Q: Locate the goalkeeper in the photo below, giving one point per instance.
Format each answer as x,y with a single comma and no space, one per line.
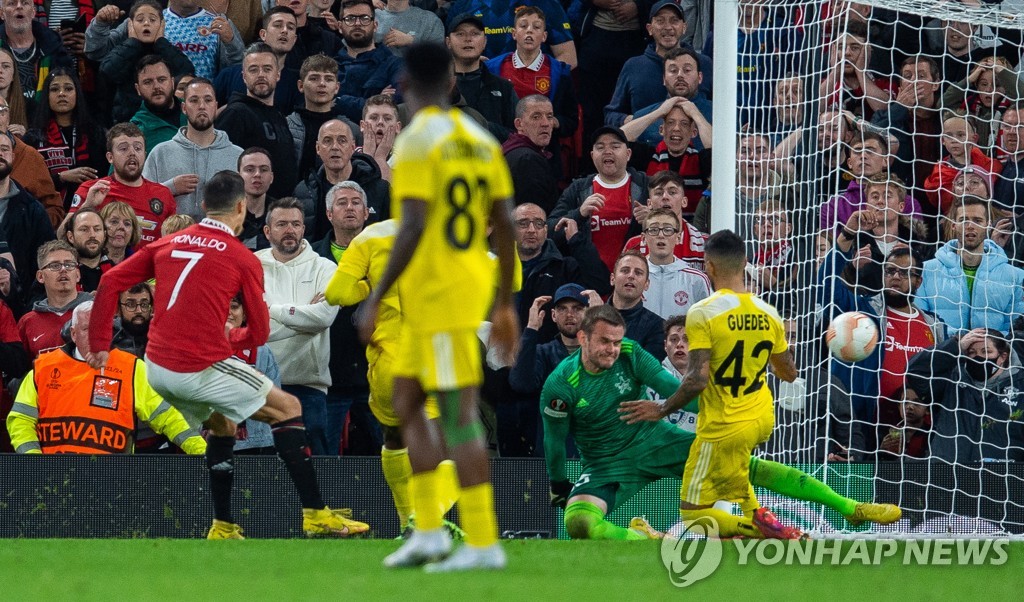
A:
582,397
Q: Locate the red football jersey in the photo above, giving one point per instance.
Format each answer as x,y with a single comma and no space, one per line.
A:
198,271
152,202
41,330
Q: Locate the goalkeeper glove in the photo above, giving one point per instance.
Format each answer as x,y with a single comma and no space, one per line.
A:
560,491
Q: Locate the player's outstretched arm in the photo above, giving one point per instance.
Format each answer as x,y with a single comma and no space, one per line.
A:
694,381
410,231
784,367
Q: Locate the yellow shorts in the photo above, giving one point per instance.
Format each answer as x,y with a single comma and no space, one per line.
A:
382,377
440,361
720,469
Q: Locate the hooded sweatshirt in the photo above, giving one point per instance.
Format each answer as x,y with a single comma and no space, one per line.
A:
180,156
299,331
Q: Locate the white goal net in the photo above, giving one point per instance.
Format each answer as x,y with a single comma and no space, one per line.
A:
879,156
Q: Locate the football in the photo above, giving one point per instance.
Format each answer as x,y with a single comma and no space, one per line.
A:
851,336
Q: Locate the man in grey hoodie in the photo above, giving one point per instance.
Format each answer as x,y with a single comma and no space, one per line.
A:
188,160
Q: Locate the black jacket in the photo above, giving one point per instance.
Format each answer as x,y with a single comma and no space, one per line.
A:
550,270
647,328
572,199
119,69
535,362
313,38
248,122
25,227
348,356
533,176
493,96
971,420
313,193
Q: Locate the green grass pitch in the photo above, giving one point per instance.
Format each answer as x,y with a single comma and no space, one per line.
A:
256,570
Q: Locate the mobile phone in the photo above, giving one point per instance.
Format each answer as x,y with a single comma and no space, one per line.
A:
76,25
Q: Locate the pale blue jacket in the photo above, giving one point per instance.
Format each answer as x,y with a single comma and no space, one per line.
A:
998,290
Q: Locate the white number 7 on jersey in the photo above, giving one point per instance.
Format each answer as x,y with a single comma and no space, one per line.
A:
193,258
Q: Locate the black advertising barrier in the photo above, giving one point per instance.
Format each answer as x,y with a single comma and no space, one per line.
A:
166,496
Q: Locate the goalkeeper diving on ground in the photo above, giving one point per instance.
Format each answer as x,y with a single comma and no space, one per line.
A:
582,397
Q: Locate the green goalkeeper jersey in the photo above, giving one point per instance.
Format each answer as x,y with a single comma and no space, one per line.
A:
575,400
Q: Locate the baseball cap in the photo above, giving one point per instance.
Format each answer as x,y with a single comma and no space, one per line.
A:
662,4
570,291
465,18
607,129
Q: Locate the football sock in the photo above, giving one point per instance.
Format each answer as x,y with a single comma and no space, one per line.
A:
397,472
476,511
220,460
584,520
447,485
729,525
796,484
424,500
293,449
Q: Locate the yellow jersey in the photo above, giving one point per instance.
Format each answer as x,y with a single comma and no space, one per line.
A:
742,332
360,269
448,161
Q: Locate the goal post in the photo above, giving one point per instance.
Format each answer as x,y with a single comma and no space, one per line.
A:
895,114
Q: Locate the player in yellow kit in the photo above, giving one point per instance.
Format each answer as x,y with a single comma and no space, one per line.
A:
450,182
733,336
359,270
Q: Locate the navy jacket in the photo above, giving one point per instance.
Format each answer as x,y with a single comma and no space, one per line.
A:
364,76
642,83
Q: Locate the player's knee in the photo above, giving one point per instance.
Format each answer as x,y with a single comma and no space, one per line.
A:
458,432
578,524
219,426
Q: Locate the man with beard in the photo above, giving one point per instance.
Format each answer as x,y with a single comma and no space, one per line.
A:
907,328
970,283
630,279
24,225
188,160
682,80
145,47
641,80
976,383
364,69
160,115
536,361
86,233
529,161
152,202
131,326
335,145
295,278
36,48
58,273
251,119
279,33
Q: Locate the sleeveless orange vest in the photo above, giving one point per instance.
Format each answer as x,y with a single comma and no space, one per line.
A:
82,411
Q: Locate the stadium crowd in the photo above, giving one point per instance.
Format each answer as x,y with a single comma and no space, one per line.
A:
878,170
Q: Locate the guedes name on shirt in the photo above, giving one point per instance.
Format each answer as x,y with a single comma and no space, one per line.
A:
749,322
